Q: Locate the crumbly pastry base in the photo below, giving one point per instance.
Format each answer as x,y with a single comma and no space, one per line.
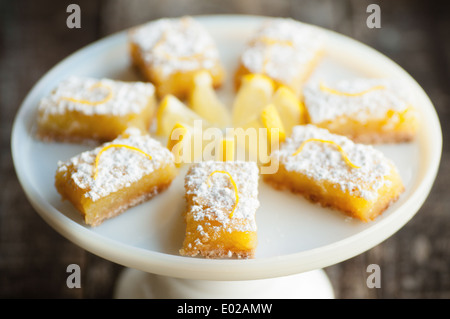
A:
217,253
48,137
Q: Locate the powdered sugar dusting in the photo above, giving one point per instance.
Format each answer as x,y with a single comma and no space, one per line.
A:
126,98
117,167
323,161
323,105
176,45
216,202
281,48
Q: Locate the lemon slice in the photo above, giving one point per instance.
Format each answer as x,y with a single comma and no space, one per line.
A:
268,134
205,102
225,150
186,143
270,119
253,95
191,144
290,109
171,111
177,140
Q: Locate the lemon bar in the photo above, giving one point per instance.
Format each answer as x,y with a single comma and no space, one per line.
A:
222,199
169,52
88,109
365,110
334,171
285,50
106,181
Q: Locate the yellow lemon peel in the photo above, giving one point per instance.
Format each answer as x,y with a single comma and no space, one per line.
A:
97,85
344,155
327,89
272,41
107,147
236,193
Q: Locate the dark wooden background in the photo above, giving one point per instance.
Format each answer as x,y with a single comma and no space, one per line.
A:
415,262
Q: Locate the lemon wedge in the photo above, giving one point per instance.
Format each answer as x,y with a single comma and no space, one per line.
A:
225,150
270,119
268,132
186,143
205,102
177,140
290,109
172,111
253,95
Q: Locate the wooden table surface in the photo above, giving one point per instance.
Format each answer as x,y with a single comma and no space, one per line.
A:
414,262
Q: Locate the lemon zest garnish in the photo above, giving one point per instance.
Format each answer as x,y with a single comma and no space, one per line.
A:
344,155
196,56
272,41
97,158
226,150
97,85
236,193
325,88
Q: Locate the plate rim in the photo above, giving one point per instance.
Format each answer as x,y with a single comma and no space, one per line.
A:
220,269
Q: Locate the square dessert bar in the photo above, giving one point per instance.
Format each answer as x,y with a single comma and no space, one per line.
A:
283,49
169,52
365,110
334,171
222,199
88,109
104,182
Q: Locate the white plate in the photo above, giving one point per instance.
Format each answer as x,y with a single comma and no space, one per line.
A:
294,235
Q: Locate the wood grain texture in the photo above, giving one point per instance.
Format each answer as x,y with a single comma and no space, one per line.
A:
415,262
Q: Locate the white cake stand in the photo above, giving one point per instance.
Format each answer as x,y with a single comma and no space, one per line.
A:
296,238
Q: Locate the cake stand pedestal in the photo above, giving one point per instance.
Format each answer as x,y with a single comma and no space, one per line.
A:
136,284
